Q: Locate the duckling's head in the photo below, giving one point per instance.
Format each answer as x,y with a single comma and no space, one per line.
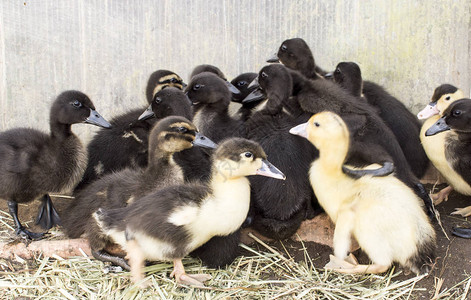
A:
348,76
175,133
442,97
72,107
275,82
208,90
161,79
323,130
242,82
168,102
215,70
456,117
238,157
294,54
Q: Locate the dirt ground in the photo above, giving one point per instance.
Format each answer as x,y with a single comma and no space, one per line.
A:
453,263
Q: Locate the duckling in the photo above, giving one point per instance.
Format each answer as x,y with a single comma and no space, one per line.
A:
279,208
211,99
456,121
169,223
394,113
242,83
126,143
382,213
373,141
33,163
215,70
169,136
434,146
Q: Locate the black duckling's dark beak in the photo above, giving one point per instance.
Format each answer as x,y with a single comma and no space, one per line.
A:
147,114
202,141
254,83
184,85
274,59
329,76
255,95
438,127
96,119
269,170
232,88
385,170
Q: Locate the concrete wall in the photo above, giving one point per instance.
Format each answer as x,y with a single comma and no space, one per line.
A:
108,48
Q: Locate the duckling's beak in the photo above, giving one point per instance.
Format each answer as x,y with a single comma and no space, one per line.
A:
255,95
429,110
274,59
184,85
385,170
147,114
96,119
254,83
438,127
232,88
300,130
329,76
202,141
269,170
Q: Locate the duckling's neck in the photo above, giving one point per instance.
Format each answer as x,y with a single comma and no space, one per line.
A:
60,131
158,159
332,155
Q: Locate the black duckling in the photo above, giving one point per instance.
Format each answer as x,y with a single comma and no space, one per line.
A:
242,82
215,70
373,141
211,99
434,145
125,145
382,213
394,113
278,208
457,119
170,135
169,223
33,163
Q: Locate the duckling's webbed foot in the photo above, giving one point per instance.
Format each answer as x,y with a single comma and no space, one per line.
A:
47,216
183,278
20,230
351,266
462,232
464,212
442,195
115,260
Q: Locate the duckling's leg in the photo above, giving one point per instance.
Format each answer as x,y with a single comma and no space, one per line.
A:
106,257
464,212
136,261
183,278
343,233
47,216
462,232
349,267
20,230
442,195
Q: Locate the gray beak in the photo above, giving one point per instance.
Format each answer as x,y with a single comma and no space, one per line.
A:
274,59
255,95
202,141
184,85
438,127
270,170
329,76
147,114
96,119
232,88
385,170
254,83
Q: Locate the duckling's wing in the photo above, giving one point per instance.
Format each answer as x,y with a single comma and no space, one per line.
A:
183,215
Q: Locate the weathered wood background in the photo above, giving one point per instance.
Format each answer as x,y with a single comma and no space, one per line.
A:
108,48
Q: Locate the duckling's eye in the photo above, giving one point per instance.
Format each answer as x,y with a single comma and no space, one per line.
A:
77,104
264,75
456,113
158,100
317,124
337,71
248,154
173,80
242,83
284,48
182,129
197,87
448,98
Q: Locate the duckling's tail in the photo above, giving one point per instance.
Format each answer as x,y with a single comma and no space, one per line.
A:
424,259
